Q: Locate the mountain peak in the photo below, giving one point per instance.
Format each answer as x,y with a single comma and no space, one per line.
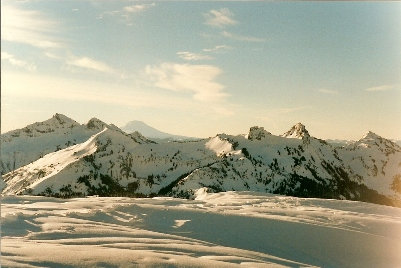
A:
298,131
57,121
257,133
372,140
60,119
371,135
96,123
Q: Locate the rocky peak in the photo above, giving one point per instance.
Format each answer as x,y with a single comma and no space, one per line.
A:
371,136
60,119
257,133
298,131
95,123
57,122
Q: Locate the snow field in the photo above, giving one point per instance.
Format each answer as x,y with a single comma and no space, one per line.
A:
215,230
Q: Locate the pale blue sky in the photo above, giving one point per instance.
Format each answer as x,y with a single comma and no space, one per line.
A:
202,68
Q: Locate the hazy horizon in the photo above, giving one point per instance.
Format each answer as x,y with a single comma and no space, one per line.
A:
202,68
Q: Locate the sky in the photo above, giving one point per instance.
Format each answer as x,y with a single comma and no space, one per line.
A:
202,68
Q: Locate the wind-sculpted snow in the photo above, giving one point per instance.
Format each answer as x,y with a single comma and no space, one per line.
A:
230,229
219,146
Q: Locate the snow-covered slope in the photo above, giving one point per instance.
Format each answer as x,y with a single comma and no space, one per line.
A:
48,166
293,167
376,161
121,164
297,164
230,229
23,146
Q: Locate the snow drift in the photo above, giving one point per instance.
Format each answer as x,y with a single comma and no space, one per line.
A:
230,229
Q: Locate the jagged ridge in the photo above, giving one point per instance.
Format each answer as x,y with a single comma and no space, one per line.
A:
130,164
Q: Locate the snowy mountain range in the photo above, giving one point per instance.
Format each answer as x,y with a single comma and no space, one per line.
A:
60,157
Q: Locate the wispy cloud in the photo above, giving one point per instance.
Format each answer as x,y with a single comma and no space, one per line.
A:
91,64
82,62
185,55
70,89
380,88
125,14
138,8
17,62
28,27
216,49
52,56
242,37
328,91
197,79
220,18
95,94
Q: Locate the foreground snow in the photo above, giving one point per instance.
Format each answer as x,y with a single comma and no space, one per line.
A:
215,230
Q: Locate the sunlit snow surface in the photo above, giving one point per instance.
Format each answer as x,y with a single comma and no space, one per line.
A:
215,230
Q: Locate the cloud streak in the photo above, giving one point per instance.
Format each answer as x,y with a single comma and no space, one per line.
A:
138,8
217,49
90,64
28,27
328,91
200,80
17,62
220,18
78,90
125,14
86,91
82,62
189,56
380,88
